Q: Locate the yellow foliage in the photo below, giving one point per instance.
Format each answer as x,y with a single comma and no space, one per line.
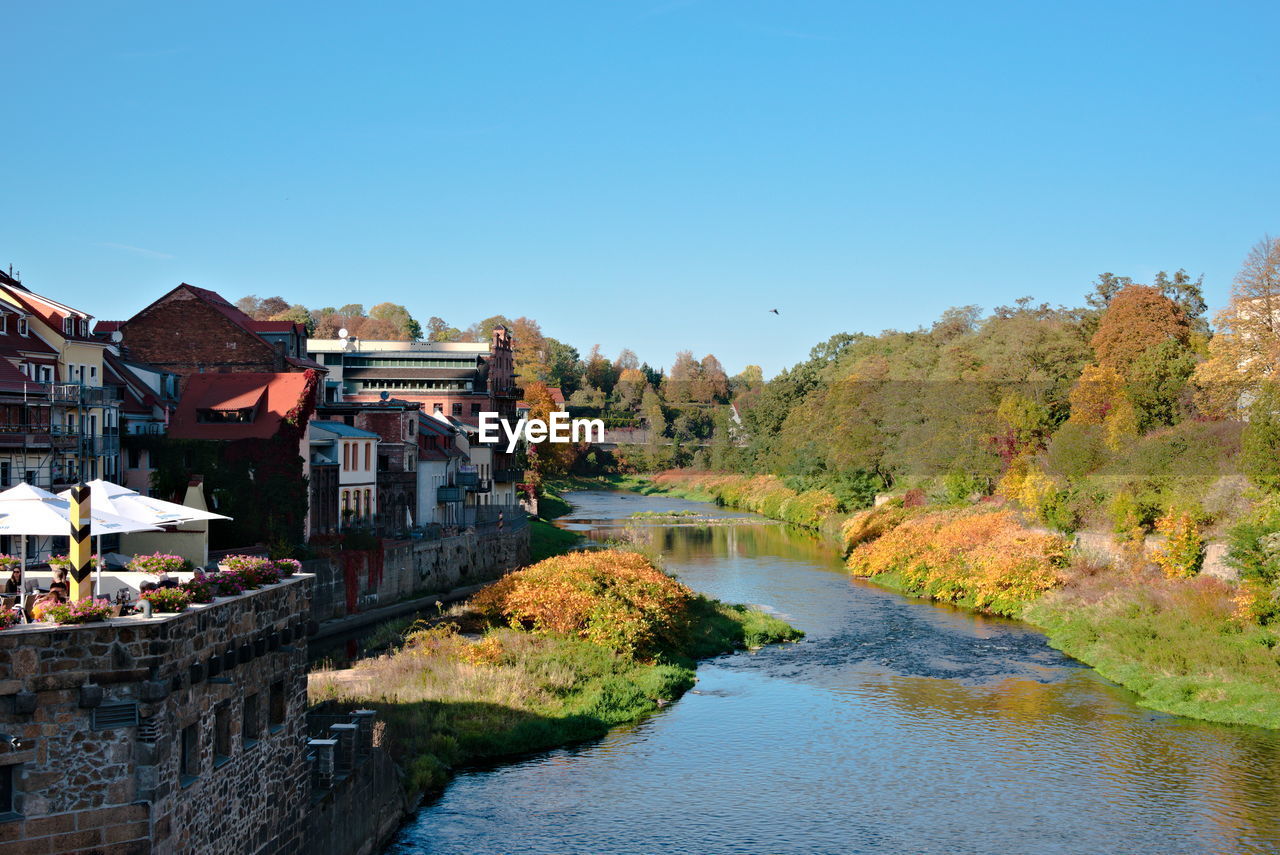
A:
981,558
610,597
1182,553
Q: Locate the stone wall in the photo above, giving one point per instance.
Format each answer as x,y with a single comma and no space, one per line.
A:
415,568
103,710
361,813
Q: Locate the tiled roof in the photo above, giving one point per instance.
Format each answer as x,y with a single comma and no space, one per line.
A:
279,326
276,395
343,429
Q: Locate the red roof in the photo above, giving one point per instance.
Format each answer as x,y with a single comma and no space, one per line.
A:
13,380
106,327
49,311
279,326
274,395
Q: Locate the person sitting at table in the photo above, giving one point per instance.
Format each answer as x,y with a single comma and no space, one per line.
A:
56,595
14,585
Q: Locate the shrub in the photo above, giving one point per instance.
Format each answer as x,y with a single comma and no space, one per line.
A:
1182,554
1131,517
168,599
612,598
87,610
226,583
1253,545
286,567
158,563
254,571
982,558
866,526
200,588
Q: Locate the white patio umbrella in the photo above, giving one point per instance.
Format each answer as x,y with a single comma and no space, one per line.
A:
132,505
27,510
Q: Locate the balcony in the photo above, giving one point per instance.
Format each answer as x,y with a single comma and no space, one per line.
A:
449,494
468,479
508,476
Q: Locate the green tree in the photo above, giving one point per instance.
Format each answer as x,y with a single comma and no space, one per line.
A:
1261,440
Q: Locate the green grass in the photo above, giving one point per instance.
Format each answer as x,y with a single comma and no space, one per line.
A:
447,702
1175,656
546,540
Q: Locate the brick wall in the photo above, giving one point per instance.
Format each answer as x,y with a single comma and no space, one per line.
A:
122,789
188,336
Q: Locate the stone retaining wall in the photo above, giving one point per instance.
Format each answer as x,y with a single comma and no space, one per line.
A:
103,710
413,568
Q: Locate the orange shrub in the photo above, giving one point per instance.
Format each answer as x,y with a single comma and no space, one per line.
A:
984,558
613,598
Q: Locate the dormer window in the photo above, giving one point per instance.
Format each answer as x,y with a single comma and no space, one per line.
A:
84,328
23,326
68,325
4,324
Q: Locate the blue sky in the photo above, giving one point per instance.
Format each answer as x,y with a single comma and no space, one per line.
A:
654,175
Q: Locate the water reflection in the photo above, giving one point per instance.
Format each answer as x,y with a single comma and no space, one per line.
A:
895,726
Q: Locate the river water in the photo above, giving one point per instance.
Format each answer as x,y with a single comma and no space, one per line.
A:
896,726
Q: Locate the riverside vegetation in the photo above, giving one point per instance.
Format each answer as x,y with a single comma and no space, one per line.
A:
1185,644
561,651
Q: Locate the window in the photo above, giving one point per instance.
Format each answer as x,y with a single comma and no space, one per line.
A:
368,503
6,472
68,325
93,372
356,510
219,417
190,768
438,409
475,409
411,426
135,458
251,727
221,734
8,781
23,326
368,447
84,328
346,456
277,709
346,501
4,324
457,409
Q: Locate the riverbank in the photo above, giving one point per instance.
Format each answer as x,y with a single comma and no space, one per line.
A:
1197,646
570,647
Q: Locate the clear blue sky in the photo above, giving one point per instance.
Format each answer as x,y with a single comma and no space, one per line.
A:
654,175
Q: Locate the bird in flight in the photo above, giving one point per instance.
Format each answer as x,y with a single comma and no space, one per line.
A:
775,311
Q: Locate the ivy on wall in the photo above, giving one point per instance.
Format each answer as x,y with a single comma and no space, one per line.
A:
257,482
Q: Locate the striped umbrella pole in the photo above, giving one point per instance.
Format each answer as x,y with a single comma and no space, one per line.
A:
81,551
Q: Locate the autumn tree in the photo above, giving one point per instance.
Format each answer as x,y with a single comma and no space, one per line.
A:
546,459
264,309
439,330
398,318
1245,350
530,351
1138,318
599,371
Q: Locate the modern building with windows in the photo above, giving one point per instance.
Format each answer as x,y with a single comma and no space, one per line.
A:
456,381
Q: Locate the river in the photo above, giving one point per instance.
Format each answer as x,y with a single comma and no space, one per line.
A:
896,726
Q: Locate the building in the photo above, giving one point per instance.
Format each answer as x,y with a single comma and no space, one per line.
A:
72,361
443,452
354,454
193,330
454,380
246,434
148,399
182,733
396,424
